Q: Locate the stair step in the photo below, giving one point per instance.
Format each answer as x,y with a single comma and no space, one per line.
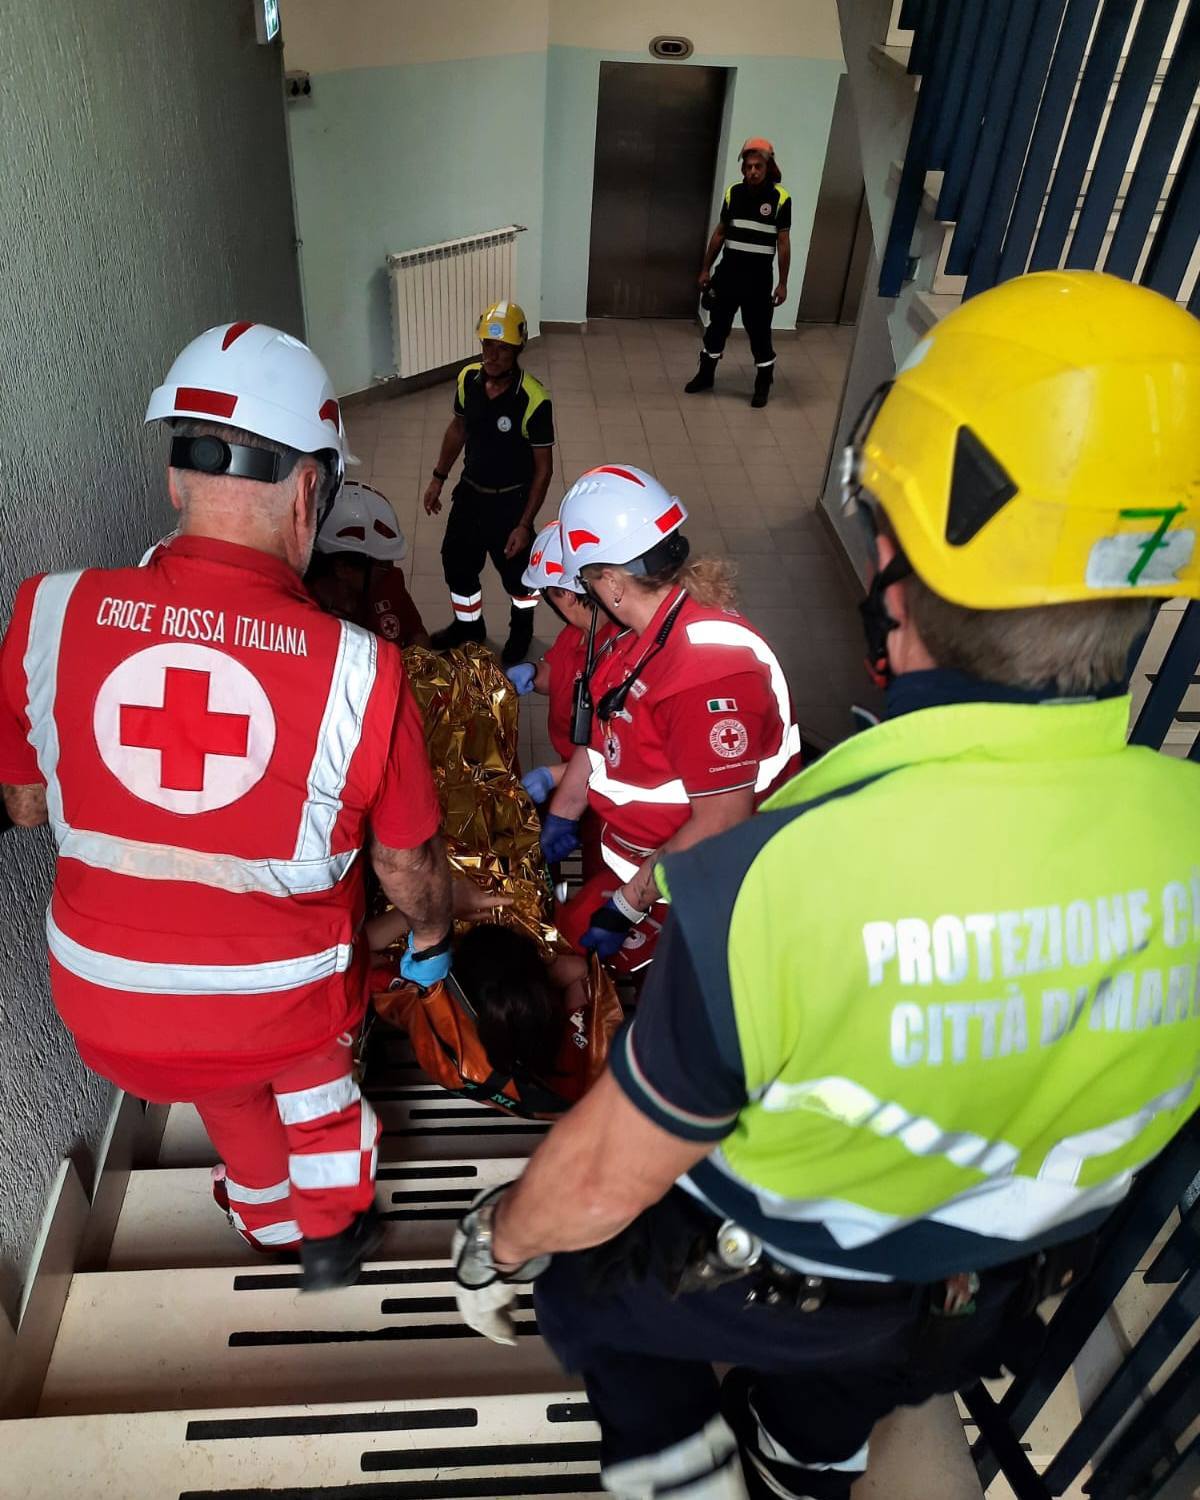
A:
421,1122
421,1449
413,1450
166,1340
168,1219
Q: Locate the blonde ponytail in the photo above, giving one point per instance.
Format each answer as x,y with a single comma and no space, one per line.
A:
708,580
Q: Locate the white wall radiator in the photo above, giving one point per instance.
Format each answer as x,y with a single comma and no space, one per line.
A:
439,291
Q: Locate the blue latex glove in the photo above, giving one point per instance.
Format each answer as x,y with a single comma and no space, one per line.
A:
430,969
560,837
607,931
521,676
539,783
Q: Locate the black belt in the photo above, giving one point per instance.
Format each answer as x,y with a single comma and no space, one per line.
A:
484,489
777,1285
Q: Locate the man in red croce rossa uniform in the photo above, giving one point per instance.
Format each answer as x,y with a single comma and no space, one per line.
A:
213,752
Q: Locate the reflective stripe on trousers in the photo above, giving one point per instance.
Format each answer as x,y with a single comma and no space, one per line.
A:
467,607
299,1147
704,1466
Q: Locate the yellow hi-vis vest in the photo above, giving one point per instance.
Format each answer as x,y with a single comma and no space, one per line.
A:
957,963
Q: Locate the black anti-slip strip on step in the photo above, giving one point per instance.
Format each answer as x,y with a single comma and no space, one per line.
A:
570,1411
393,1305
435,1195
419,1174
498,1455
289,1337
401,1095
483,1488
254,1281
471,1112
421,1216
345,1422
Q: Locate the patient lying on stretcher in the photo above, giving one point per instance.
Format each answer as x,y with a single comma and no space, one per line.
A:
526,1033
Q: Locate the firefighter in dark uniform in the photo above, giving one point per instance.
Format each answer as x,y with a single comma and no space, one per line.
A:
756,218
502,416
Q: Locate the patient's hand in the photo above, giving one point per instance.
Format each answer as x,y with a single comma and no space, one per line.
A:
472,903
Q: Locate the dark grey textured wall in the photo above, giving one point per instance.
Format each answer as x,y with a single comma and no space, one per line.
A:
144,195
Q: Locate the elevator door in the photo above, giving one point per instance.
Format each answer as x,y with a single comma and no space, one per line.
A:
658,127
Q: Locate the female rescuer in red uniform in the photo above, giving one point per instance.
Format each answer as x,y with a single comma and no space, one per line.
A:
560,669
692,723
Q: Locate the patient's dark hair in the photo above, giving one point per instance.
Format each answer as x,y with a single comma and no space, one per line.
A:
519,1016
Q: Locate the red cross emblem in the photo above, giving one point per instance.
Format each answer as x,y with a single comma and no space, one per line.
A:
728,738
183,730
184,727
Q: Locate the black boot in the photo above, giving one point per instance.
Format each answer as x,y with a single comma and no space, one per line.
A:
458,634
763,376
336,1261
520,637
703,379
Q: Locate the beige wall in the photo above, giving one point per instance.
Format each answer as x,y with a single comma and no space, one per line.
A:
329,36
759,28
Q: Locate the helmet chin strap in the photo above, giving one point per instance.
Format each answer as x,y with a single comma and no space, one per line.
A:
878,624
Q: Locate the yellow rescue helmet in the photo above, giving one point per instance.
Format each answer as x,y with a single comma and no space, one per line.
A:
505,322
1042,446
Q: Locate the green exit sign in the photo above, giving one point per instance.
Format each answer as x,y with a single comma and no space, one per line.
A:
266,16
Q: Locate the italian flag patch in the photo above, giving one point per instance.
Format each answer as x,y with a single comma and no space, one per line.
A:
722,706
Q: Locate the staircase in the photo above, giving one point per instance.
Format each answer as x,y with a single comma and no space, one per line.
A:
191,1367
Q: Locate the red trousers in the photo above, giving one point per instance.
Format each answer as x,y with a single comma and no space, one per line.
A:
299,1148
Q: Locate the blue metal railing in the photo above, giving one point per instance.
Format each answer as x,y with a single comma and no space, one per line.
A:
1031,109
1012,112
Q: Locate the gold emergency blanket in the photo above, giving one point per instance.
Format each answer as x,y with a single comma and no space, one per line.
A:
488,822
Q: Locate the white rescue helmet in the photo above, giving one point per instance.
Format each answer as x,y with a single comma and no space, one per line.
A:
545,570
255,377
616,514
362,521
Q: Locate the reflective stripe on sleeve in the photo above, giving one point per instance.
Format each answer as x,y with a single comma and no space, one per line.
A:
143,977
729,633
299,1106
622,793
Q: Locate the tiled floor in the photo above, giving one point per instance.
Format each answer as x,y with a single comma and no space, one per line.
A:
750,480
